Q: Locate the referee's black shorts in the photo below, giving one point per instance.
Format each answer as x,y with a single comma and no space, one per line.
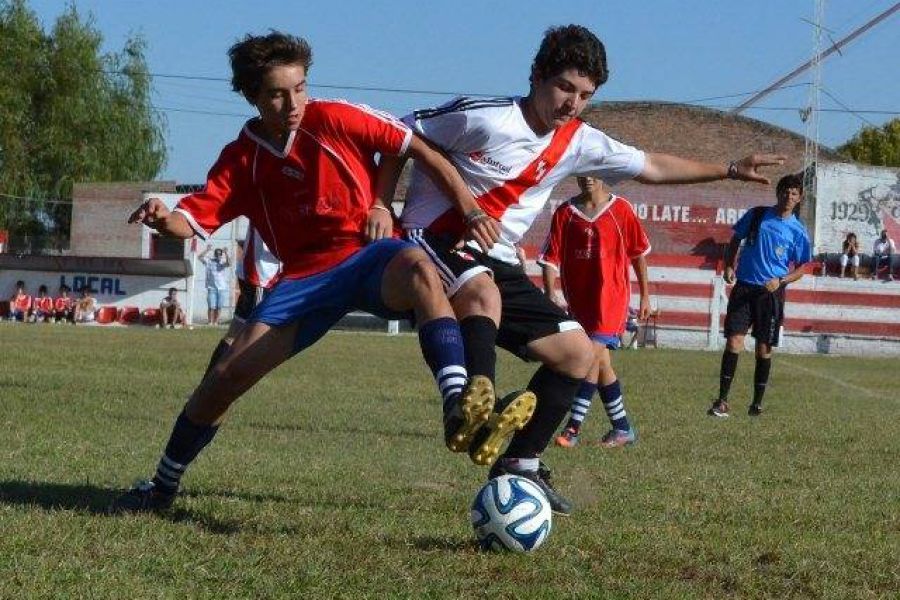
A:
527,313
753,307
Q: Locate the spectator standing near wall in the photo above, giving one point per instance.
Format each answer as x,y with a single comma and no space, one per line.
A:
882,252
216,281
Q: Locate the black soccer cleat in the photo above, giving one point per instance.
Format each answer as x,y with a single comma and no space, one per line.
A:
559,504
719,409
471,411
143,498
511,414
755,410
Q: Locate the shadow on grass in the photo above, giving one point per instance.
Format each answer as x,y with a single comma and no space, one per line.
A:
343,429
96,500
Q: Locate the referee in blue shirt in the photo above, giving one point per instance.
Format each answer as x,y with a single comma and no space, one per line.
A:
775,247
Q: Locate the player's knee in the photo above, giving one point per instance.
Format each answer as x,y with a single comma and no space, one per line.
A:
424,279
576,357
479,296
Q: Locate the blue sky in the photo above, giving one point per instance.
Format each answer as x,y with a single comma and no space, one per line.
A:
658,50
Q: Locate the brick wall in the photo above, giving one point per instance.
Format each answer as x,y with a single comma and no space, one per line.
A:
99,212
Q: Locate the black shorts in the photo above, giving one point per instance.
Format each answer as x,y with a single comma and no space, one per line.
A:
527,313
249,297
753,306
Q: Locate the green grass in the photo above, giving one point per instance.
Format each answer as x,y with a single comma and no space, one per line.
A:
330,479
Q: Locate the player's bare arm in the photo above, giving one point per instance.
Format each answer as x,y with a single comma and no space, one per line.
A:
550,275
480,227
639,264
730,255
794,275
666,168
154,214
380,220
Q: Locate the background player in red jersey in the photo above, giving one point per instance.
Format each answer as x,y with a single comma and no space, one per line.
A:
511,152
304,174
43,306
592,240
20,303
64,306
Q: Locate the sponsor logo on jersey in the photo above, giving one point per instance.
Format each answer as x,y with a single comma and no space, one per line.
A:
463,254
483,159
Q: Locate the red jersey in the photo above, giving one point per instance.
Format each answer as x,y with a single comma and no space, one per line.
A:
44,304
592,256
309,200
62,304
22,302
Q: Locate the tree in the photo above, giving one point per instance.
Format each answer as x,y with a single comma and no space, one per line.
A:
71,113
875,145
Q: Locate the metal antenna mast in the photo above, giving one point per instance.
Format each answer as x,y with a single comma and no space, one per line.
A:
810,114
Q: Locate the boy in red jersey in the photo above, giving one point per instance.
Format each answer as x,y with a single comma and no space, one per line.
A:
304,174
64,306
20,304
43,306
593,238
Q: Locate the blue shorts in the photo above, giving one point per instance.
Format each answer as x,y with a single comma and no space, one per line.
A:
216,298
319,301
613,342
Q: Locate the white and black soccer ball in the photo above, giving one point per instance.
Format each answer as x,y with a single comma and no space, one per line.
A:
511,513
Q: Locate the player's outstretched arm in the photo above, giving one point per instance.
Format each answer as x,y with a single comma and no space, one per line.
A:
667,168
154,214
479,226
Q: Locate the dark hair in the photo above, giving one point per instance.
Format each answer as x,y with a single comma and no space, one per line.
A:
568,47
789,182
42,288
254,55
173,290
20,283
64,288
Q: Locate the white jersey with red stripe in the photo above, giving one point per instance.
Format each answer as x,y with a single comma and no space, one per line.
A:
509,169
259,267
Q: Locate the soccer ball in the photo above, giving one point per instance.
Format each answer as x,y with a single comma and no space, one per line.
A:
511,513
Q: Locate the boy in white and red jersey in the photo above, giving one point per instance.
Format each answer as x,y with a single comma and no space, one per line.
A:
511,152
304,174
592,240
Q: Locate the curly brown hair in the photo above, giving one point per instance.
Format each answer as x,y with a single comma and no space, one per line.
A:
568,47
255,54
788,182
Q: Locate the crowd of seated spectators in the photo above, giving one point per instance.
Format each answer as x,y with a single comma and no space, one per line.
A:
65,308
881,261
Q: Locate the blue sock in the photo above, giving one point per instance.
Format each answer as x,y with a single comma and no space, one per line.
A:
582,403
615,408
185,443
442,347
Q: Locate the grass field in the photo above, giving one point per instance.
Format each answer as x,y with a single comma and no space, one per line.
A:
330,479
